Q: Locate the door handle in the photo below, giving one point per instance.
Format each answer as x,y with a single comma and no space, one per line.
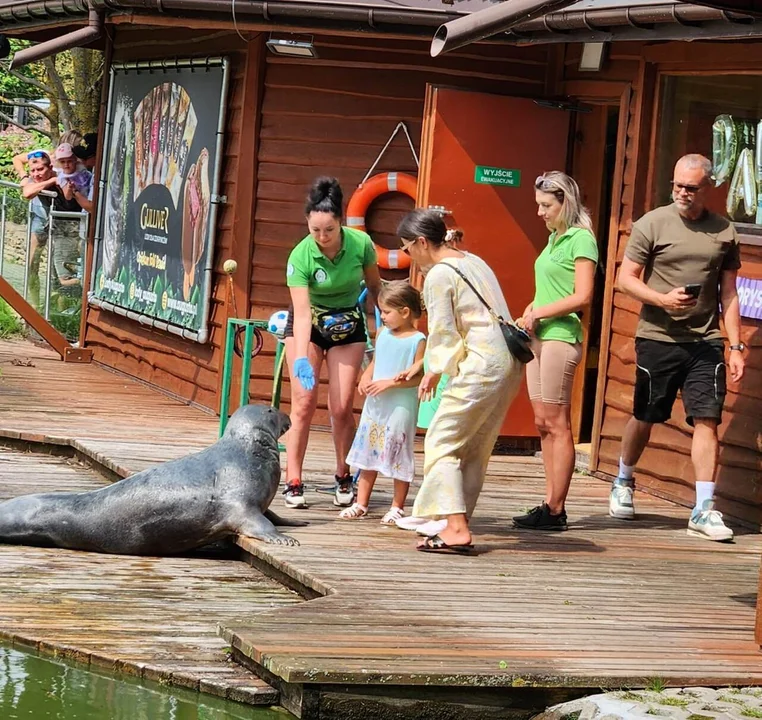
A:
441,209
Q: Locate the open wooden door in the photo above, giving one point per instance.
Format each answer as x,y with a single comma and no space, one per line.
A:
480,155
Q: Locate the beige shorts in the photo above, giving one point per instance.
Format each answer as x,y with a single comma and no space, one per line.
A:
550,375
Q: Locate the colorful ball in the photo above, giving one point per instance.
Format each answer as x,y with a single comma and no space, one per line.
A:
277,324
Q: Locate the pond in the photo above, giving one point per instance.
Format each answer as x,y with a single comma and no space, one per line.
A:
34,687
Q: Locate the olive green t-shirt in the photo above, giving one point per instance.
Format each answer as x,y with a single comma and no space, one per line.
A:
554,280
675,252
333,283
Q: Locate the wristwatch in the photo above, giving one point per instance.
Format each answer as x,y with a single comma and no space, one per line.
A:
740,346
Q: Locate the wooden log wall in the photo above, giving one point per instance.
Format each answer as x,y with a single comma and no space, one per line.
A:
186,369
332,115
665,468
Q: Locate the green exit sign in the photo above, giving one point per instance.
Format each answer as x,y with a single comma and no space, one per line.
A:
485,175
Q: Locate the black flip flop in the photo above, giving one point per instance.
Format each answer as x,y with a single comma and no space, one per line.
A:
435,544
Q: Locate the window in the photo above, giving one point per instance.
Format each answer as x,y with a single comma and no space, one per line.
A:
719,116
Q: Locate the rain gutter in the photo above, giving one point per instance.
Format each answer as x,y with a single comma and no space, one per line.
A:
489,22
77,38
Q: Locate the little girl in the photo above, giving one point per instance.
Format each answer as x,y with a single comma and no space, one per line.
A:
384,441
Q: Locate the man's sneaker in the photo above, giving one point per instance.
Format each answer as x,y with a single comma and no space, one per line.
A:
621,504
345,491
294,495
706,522
540,518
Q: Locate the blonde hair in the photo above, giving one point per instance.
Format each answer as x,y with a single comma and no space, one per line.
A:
566,191
400,294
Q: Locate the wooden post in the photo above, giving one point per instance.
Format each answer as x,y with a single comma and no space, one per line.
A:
242,247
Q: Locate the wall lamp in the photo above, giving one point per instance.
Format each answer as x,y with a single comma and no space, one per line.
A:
591,59
291,47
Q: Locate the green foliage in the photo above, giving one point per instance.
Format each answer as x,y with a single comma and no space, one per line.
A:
656,684
10,324
752,712
14,87
675,702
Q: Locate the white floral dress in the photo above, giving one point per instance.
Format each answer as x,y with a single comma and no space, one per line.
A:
384,439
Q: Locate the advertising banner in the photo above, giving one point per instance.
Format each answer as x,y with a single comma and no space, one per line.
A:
159,191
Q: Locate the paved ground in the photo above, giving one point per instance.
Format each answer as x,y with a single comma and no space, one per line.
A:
694,703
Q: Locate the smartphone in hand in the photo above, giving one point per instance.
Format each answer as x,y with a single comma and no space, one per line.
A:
693,289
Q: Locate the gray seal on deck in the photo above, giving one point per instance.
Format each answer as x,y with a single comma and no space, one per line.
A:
174,507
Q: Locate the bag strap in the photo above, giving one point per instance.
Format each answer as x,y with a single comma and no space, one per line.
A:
494,315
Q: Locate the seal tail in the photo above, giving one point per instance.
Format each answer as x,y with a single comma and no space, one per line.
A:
278,521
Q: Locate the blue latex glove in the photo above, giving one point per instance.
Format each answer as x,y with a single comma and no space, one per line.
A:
304,373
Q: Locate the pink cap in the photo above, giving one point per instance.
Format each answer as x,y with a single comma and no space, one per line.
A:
64,150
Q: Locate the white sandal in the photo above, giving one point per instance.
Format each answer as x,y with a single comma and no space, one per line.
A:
392,516
354,512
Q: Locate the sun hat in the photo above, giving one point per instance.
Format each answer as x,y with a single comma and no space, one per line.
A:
64,150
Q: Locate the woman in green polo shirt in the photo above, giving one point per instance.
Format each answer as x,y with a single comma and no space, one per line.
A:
324,274
564,274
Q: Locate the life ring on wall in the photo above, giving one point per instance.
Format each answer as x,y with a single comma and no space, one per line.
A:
363,197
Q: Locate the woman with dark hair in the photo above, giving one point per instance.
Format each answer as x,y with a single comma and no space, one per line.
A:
466,343
324,274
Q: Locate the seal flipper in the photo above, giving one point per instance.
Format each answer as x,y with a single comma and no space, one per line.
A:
259,527
283,522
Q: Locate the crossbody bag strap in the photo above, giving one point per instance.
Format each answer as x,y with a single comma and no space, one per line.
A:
476,292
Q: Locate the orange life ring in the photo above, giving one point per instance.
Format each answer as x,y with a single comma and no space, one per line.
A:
360,202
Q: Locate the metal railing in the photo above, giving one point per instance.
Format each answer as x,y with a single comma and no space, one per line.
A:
58,239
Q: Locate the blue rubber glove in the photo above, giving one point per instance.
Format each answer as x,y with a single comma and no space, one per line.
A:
304,373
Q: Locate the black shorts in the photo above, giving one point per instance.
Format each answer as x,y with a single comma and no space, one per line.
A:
359,335
663,368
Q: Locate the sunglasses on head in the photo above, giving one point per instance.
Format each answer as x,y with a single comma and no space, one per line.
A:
543,184
36,155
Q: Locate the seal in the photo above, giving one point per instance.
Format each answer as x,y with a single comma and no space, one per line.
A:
174,507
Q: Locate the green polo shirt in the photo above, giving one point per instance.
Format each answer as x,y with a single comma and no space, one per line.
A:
333,283
554,280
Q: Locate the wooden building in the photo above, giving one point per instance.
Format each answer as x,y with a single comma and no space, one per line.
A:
525,101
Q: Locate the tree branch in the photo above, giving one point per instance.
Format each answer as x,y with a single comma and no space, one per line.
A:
64,108
33,82
24,104
11,121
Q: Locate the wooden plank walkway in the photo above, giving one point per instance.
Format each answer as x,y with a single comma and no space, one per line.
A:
152,617
607,604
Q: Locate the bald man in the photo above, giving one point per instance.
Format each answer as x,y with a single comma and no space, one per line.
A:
681,262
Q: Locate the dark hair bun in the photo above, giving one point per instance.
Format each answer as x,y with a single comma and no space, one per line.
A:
325,196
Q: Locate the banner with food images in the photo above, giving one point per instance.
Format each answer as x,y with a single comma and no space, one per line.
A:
159,189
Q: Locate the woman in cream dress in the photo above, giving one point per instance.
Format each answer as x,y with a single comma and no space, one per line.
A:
466,343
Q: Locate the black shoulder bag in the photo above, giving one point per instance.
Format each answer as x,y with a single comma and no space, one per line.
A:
516,339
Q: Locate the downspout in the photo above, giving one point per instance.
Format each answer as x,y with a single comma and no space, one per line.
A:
83,36
493,20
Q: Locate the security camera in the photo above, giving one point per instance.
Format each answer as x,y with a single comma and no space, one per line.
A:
5,47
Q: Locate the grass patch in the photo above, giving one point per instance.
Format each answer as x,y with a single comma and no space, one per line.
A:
655,711
694,716
572,716
674,702
10,323
752,712
656,684
731,699
631,696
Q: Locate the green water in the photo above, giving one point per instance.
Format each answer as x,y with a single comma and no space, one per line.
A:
33,687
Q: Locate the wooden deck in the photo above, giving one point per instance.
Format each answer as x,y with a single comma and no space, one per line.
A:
607,604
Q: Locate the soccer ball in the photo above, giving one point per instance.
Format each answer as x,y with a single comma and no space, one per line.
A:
277,323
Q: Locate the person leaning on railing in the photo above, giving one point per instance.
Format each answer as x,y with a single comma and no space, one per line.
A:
40,176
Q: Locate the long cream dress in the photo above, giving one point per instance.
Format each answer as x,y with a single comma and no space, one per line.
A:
467,344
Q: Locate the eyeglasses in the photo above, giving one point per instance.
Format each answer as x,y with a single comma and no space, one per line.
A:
690,189
407,244
36,154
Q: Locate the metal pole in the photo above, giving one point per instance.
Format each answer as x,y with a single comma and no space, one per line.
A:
49,273
246,364
27,259
227,373
2,231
